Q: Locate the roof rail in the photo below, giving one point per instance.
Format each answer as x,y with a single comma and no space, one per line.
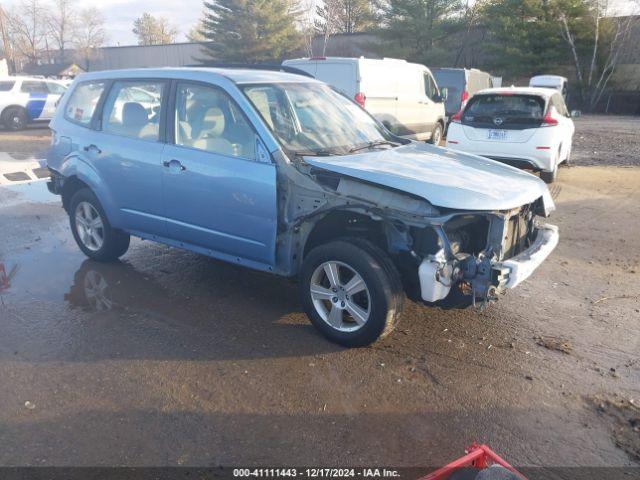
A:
256,66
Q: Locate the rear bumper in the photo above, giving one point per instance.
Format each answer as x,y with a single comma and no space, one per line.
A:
520,267
527,154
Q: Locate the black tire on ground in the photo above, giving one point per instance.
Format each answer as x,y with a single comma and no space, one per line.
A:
115,242
380,277
550,177
436,135
15,118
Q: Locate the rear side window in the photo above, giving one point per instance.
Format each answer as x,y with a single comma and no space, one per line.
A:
6,86
558,103
504,110
29,86
56,89
83,102
132,109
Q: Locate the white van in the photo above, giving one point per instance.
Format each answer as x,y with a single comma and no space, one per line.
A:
403,96
555,82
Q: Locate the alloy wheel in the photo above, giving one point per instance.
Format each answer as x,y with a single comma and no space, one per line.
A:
340,296
89,226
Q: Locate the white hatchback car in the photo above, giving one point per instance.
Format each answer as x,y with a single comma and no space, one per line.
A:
526,127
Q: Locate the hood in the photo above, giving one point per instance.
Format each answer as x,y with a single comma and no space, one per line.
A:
443,177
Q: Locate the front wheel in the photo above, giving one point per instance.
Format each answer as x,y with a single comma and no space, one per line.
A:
15,118
92,231
436,135
351,292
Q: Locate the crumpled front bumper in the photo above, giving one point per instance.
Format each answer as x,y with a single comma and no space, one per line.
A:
519,268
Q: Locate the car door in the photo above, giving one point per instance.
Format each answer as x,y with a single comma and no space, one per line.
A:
55,92
127,154
36,93
432,107
217,194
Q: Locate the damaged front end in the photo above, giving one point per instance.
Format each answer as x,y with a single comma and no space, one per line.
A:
446,256
481,255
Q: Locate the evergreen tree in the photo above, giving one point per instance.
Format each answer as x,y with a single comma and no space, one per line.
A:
523,37
250,31
345,16
417,29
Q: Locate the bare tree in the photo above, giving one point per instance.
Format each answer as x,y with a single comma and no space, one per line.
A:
328,21
307,25
4,38
27,29
610,37
62,25
152,30
89,36
471,17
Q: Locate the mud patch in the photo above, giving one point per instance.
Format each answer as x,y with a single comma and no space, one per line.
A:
624,415
554,343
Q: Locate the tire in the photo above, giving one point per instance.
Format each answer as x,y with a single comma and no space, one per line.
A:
378,305
550,177
436,135
15,118
97,239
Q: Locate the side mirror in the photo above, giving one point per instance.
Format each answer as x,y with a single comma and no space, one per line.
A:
444,93
576,113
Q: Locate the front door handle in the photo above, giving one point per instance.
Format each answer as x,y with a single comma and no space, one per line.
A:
93,148
174,162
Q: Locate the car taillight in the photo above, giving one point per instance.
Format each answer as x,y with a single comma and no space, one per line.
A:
360,98
549,120
464,96
457,117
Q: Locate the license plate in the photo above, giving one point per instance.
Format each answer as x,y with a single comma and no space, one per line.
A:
497,135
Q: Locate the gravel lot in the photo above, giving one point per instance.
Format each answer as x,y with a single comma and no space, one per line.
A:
606,140
170,358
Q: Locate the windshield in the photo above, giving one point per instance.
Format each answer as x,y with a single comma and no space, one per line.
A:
453,80
313,119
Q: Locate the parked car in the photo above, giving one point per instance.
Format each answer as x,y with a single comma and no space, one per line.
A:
281,173
525,127
555,82
403,96
461,85
24,100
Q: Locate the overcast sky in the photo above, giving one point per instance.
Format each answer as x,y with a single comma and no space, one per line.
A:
120,14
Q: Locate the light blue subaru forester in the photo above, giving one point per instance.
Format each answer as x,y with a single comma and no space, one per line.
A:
281,173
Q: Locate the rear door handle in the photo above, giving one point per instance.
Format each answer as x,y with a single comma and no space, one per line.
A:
169,163
93,148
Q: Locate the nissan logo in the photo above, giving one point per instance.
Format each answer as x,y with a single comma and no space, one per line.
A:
498,121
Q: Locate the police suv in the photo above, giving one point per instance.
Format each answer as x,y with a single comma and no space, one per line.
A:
24,100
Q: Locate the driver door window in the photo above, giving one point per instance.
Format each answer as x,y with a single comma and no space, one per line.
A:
430,89
207,119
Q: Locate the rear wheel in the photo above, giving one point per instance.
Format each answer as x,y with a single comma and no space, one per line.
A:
350,293
551,176
436,135
15,118
92,231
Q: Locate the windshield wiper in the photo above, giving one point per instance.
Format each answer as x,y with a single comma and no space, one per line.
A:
312,153
376,143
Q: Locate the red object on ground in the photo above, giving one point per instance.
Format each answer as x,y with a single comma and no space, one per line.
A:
4,280
478,456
